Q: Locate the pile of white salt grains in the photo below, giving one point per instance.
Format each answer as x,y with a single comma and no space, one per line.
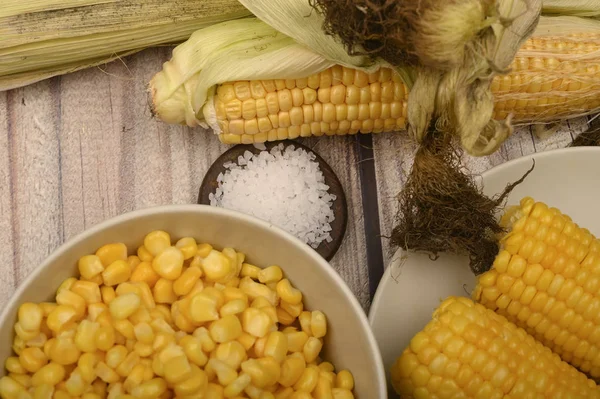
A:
284,186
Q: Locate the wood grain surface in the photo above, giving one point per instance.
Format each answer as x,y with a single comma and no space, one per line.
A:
78,149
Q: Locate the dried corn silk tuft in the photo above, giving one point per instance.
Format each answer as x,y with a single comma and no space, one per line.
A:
284,187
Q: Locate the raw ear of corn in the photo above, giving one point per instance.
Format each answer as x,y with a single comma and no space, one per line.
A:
580,8
468,351
546,279
44,38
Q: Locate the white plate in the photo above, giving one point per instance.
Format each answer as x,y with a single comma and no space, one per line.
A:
413,285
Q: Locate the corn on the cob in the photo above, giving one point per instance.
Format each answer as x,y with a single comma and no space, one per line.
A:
42,38
468,351
551,78
546,279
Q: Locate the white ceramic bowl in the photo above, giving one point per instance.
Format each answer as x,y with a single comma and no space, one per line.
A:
349,343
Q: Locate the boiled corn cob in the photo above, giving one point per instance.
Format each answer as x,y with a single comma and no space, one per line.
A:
551,78
546,279
468,351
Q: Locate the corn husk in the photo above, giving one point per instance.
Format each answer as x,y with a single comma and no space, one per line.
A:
579,8
244,49
44,38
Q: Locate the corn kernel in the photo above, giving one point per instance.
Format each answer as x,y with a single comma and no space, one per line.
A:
256,322
112,252
30,316
237,386
156,242
89,291
292,310
233,307
276,346
50,374
305,319
64,351
24,335
116,273
218,267
192,347
225,374
318,324
196,383
105,337
296,340
271,274
311,349
231,353
169,263
345,380
32,359
87,366
13,365
90,266
135,378
150,389
255,290
115,355
184,284
226,329
249,270
85,337
144,272
108,294
288,293
163,291
75,384
340,393
308,380
43,392
292,369
69,298
177,369
187,246
9,388
124,306
203,308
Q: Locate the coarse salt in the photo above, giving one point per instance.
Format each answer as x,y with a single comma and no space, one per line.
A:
284,186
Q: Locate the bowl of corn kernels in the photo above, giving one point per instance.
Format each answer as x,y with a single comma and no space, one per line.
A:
187,301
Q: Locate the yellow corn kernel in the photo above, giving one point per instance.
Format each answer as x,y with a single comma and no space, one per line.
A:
144,254
75,384
246,340
124,306
177,369
10,388
233,293
32,359
345,380
237,386
308,380
288,293
25,335
85,337
323,390
50,374
145,293
64,351
163,291
276,346
47,307
249,270
169,263
144,272
256,322
296,340
108,294
43,392
90,266
135,378
69,298
233,307
13,365
203,307
226,329
318,324
293,310
23,379
217,267
184,284
326,366
150,389
311,349
292,369
192,347
195,384
105,337
157,241
66,285
162,340
106,373
116,273
341,393
231,353
115,356
271,274
112,252
208,345
187,246
142,349
225,374
133,261
89,291
30,316
255,290
87,366
284,317
144,333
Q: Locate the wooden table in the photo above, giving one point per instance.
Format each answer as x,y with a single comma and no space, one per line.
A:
79,149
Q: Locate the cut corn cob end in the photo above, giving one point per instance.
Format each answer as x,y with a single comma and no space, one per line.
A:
546,280
470,351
